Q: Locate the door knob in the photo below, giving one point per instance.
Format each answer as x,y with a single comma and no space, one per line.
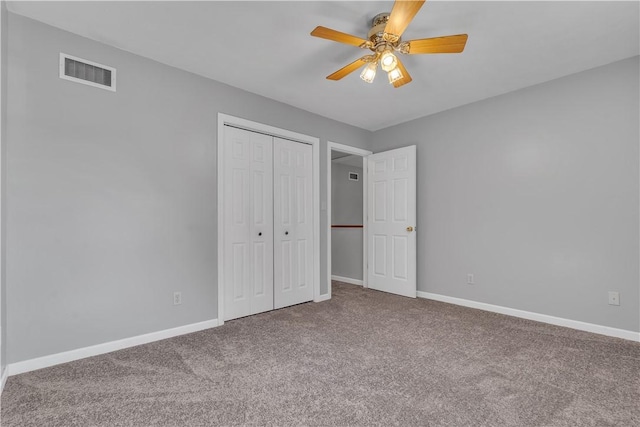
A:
409,229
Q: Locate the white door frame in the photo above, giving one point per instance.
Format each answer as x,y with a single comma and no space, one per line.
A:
347,149
281,133
3,373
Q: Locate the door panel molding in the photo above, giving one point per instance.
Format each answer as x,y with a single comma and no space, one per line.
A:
292,227
241,123
248,236
392,203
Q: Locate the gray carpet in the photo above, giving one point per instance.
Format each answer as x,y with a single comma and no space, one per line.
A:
362,358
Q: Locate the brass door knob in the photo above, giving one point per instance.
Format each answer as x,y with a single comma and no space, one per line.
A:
409,229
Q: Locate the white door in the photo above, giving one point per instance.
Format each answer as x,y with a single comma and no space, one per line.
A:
391,235
293,223
248,220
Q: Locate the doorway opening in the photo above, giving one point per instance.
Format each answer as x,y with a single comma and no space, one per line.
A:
347,214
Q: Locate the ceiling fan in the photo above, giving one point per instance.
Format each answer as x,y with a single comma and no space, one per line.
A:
384,39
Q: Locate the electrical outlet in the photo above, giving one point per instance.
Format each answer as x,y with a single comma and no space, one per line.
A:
470,279
177,298
614,298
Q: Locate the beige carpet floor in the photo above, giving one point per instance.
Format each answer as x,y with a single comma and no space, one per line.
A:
362,358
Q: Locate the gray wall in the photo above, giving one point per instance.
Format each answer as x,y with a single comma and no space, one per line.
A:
3,129
112,196
536,193
346,207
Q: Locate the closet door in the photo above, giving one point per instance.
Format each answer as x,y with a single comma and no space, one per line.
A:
248,219
293,223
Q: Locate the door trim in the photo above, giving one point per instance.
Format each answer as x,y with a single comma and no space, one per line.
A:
225,119
347,149
3,142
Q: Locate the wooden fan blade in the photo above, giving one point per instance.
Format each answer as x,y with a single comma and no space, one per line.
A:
401,16
348,69
337,36
406,77
447,44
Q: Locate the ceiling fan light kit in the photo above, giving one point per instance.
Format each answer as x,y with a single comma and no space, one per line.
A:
388,60
394,75
369,72
384,39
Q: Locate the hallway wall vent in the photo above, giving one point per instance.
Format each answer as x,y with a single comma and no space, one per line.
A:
87,72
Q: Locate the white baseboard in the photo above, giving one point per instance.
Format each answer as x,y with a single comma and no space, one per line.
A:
3,379
544,318
347,280
108,347
321,298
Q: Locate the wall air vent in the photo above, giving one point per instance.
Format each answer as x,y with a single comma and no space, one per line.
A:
353,176
86,72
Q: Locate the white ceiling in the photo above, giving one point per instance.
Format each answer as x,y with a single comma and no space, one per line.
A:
264,47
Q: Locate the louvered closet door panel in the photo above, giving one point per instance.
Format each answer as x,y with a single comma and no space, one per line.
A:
248,219
293,223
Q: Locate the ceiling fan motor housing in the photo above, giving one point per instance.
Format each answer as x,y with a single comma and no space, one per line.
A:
377,35
381,18
378,23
